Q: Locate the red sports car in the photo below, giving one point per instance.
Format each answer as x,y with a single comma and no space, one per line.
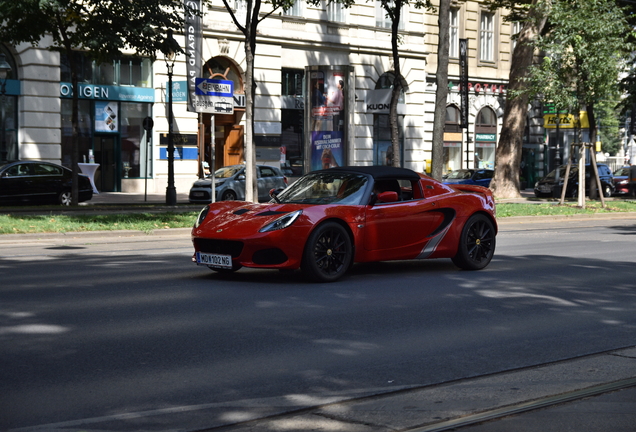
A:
329,219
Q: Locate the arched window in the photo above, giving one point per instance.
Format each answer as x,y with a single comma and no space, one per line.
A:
485,138
452,119
224,68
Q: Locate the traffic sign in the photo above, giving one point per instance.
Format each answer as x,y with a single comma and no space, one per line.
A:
213,96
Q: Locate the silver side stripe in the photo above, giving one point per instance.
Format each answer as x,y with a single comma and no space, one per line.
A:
432,243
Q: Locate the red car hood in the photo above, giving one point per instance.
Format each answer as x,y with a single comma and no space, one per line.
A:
238,218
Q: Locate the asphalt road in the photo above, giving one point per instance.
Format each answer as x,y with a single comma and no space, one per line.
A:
124,333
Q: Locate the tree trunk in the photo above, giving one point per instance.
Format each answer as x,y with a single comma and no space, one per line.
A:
505,183
251,191
397,84
441,92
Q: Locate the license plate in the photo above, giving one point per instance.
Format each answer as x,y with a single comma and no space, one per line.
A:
214,260
197,194
543,188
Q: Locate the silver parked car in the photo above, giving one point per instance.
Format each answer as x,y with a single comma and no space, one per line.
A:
230,184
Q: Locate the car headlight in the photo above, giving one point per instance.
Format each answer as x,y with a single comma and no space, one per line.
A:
202,215
282,222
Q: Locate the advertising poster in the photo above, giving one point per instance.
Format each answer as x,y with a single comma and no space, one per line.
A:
106,116
327,118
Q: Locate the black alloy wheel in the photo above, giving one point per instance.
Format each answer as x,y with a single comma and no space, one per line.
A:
476,243
328,253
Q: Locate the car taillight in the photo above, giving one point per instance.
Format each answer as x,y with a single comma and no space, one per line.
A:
285,180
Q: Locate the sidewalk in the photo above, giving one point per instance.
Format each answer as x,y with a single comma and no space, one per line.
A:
595,393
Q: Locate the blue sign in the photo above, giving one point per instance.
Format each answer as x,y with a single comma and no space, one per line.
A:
106,92
180,153
179,91
214,87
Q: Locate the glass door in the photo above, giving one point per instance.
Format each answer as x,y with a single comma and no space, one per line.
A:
108,177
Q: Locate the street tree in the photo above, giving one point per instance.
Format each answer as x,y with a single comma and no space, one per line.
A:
99,29
394,10
256,12
585,49
441,92
532,14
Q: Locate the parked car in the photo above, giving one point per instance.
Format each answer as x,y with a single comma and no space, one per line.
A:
40,182
229,183
552,184
621,181
329,219
479,177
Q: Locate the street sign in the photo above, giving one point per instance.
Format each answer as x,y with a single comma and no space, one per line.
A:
214,96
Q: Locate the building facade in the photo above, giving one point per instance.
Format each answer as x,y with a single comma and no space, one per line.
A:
323,77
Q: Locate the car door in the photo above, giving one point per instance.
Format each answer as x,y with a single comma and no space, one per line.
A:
47,181
16,182
401,228
266,182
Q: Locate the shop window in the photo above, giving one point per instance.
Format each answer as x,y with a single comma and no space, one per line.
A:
452,119
292,138
485,138
134,148
383,148
85,127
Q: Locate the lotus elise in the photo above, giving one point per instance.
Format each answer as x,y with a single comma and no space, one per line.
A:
329,219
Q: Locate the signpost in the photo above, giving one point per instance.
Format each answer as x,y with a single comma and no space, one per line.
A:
214,96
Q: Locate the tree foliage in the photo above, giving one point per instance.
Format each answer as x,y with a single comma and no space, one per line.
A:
101,29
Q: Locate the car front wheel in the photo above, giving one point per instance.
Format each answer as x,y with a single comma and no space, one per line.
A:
64,198
229,195
328,253
476,243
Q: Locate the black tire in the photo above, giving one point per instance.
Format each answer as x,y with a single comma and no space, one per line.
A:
607,191
328,253
229,195
64,198
476,244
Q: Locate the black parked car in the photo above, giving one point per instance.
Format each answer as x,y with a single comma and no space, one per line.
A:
548,186
40,182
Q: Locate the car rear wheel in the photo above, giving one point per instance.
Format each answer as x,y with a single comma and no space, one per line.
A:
228,195
607,191
328,253
64,198
476,244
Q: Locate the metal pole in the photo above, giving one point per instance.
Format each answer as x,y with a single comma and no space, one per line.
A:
171,192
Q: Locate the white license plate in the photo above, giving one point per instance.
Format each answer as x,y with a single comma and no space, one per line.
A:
543,188
214,260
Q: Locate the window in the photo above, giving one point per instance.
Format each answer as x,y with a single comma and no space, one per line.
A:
292,82
516,29
453,25
382,19
487,37
452,119
336,12
127,71
296,9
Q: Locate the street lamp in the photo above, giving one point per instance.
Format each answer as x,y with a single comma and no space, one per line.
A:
5,69
170,50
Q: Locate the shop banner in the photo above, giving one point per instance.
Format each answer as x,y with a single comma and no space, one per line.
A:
192,32
463,82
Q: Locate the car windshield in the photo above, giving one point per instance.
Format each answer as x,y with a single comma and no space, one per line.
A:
227,172
326,188
460,175
573,172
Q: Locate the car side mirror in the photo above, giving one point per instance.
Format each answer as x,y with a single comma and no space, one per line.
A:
241,177
387,197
